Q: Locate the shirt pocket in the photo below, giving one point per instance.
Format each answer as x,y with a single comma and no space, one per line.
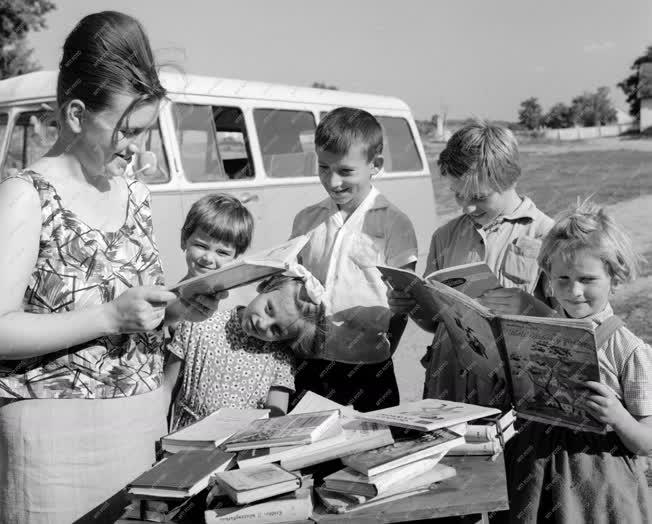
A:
520,262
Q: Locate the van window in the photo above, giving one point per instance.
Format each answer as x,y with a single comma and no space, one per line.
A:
213,142
34,133
287,142
154,142
399,150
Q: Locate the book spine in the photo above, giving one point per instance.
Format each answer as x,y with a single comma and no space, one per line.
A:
280,511
477,448
480,433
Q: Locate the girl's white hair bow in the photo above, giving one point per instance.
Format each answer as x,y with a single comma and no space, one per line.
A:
314,288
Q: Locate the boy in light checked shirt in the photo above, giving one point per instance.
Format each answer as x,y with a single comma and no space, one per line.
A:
352,231
498,226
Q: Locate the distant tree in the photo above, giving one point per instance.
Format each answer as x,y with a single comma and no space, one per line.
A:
630,84
559,116
593,109
17,18
531,113
322,85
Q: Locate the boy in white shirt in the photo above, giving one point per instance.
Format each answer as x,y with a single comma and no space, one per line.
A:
352,231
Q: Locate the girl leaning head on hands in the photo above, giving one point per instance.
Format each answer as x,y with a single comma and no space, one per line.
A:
80,353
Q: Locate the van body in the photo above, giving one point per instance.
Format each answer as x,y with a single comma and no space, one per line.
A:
250,139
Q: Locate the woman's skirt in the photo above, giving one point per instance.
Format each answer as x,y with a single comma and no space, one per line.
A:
66,461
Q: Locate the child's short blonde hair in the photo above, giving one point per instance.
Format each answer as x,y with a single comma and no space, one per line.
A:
587,226
481,154
309,341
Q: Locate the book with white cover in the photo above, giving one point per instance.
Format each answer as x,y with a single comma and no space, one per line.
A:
379,460
255,457
302,428
428,414
295,506
248,485
244,270
212,430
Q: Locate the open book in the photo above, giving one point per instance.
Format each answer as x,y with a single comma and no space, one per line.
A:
471,279
542,361
244,270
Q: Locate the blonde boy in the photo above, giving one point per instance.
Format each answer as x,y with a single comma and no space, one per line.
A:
498,226
351,231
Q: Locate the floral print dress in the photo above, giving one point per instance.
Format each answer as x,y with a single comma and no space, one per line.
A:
80,266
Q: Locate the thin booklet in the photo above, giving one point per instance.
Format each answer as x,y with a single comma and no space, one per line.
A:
542,361
244,270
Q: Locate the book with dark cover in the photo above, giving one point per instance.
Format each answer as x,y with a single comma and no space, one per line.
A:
182,474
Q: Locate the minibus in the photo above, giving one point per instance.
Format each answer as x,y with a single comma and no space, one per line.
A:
251,139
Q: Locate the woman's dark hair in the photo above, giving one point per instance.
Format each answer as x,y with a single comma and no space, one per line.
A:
108,53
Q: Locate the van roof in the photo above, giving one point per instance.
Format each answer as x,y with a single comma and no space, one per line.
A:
41,85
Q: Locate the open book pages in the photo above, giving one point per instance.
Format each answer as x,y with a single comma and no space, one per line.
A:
311,402
471,279
428,414
541,361
360,435
212,430
303,428
253,457
244,270
337,502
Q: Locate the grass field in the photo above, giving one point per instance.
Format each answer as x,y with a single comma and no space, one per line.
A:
616,173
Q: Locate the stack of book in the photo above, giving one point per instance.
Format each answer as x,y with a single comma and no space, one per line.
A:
171,486
263,494
423,432
487,436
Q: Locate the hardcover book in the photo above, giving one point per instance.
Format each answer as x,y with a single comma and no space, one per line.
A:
303,428
181,475
249,485
542,361
337,502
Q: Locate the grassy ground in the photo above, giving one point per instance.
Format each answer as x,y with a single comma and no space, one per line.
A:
617,173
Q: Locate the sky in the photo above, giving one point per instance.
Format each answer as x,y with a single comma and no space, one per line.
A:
459,57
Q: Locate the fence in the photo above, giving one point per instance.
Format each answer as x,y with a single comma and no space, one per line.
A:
582,133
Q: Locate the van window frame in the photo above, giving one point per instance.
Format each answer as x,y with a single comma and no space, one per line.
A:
182,182
281,106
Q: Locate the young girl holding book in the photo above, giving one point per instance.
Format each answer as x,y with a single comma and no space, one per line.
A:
561,475
241,358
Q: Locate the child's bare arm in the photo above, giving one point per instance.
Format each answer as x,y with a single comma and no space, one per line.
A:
278,399
635,432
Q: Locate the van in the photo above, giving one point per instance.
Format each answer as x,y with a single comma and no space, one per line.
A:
250,139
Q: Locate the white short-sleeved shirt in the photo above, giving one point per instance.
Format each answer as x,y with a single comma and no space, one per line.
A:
225,367
343,255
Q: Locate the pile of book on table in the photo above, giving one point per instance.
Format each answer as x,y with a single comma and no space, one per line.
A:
244,467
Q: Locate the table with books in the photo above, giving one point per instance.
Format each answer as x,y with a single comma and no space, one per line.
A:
327,463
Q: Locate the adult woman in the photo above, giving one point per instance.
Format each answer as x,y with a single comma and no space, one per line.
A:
82,303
